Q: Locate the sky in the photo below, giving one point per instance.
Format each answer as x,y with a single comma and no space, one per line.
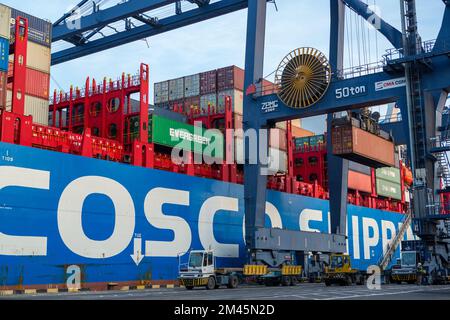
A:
220,42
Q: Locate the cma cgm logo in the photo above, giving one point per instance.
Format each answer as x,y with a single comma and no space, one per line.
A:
270,106
390,84
157,204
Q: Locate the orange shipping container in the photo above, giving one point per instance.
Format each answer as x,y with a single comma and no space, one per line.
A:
355,144
359,181
268,87
37,83
298,132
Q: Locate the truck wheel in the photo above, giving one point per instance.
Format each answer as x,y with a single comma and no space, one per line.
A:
233,282
286,281
211,283
189,287
327,283
294,281
349,281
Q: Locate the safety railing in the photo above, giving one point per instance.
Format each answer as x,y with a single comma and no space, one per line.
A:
439,141
440,144
425,47
359,71
438,209
390,118
78,93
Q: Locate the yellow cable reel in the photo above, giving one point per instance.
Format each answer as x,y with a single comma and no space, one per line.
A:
303,78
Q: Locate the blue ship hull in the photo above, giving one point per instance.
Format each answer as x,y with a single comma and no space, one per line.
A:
118,223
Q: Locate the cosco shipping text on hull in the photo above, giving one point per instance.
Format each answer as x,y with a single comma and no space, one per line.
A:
122,223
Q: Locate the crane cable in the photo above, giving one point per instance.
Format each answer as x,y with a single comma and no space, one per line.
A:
358,37
376,33
349,40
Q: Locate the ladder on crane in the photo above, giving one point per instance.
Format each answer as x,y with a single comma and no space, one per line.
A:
440,148
393,245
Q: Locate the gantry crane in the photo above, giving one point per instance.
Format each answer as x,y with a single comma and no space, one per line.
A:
419,70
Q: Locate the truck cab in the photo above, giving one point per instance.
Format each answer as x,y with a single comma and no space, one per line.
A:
198,270
407,272
201,271
340,271
201,262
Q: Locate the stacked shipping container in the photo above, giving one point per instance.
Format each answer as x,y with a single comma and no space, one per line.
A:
38,65
388,181
161,93
206,92
5,17
387,184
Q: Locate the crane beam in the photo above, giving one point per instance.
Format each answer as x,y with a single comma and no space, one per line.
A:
66,29
164,25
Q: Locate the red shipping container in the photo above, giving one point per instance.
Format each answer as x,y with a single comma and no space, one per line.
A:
230,78
360,146
37,83
208,82
359,181
268,87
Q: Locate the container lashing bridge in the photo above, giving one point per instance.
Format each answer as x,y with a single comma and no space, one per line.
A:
308,85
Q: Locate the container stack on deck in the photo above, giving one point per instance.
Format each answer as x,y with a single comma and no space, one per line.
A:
202,95
5,17
37,84
383,188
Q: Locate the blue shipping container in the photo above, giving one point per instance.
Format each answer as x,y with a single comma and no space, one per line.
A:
4,54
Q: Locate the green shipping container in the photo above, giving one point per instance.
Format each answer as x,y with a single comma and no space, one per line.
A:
389,189
184,136
316,140
301,142
389,174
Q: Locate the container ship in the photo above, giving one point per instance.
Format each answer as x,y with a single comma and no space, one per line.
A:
88,182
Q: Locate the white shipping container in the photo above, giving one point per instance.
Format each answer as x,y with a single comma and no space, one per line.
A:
161,92
38,57
278,158
5,17
281,125
407,196
192,86
297,123
36,107
176,89
208,99
8,100
237,100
